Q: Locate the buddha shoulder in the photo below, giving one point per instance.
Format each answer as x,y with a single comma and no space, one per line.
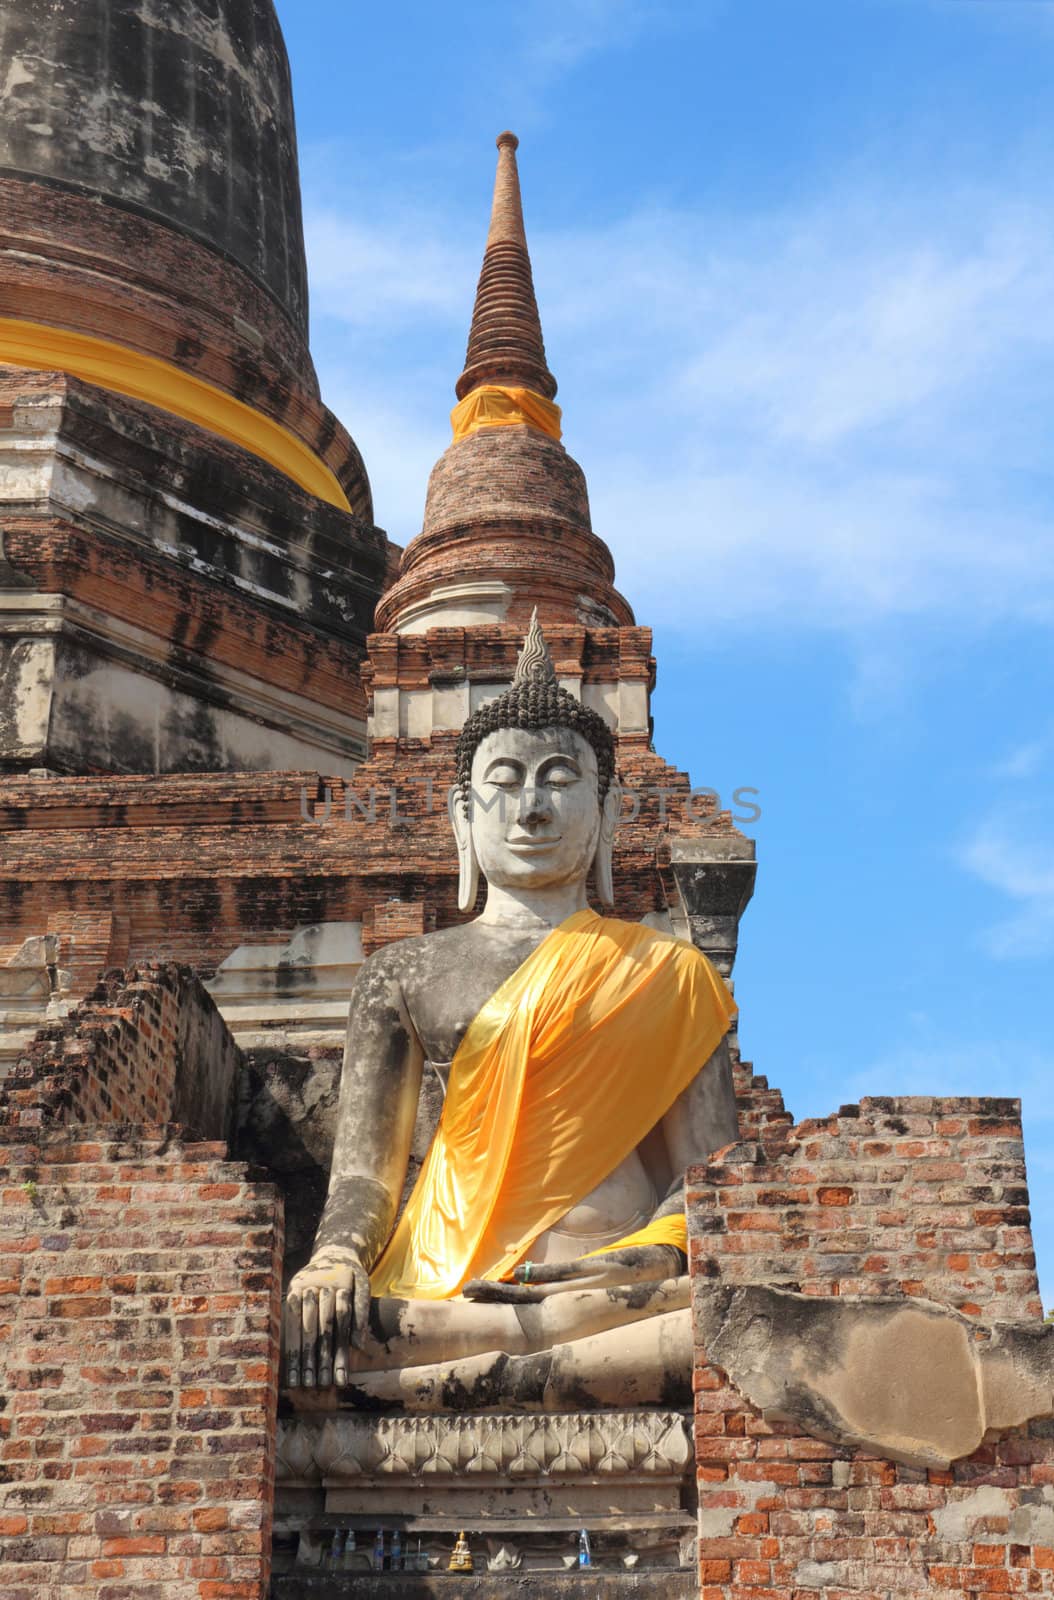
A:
442,978
447,956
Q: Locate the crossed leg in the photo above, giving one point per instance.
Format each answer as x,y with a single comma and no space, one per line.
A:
423,1336
647,1363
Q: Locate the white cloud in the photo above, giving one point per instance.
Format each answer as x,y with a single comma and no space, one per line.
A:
817,323
548,40
834,550
844,330
825,413
1003,15
560,34
399,445
1024,760
384,276
1013,852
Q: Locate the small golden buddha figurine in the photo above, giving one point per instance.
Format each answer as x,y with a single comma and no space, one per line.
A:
461,1555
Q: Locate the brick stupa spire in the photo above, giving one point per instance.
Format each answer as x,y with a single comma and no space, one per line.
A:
505,344
506,523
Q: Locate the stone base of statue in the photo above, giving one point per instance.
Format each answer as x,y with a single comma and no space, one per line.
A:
594,1584
523,1486
302,1585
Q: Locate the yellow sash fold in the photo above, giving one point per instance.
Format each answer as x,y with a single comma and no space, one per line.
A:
560,1075
661,1230
125,371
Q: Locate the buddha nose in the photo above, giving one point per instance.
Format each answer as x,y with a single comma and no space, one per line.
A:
534,805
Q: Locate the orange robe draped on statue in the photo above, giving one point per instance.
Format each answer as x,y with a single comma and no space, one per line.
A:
559,1076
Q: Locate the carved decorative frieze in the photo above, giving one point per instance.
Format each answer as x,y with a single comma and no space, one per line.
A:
583,1444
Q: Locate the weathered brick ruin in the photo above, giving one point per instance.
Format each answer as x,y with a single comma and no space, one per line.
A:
144,1048
228,711
140,1307
911,1197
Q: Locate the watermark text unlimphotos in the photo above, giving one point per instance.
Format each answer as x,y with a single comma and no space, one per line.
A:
386,802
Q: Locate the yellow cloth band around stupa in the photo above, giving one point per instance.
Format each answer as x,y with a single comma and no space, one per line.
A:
159,383
662,1230
495,406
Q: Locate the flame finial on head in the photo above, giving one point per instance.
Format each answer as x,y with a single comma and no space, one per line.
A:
535,700
535,664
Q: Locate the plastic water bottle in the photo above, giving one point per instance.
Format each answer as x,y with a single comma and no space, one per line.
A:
378,1551
349,1550
397,1552
585,1558
336,1553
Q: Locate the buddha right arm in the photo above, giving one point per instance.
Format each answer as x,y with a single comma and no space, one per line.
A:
328,1301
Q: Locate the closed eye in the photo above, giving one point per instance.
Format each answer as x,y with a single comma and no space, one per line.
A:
560,777
505,777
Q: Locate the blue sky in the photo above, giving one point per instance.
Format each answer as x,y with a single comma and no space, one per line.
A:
794,268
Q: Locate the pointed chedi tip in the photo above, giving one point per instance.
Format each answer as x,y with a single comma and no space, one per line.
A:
506,212
505,344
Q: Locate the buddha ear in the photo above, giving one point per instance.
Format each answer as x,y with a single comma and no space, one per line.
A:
467,864
602,861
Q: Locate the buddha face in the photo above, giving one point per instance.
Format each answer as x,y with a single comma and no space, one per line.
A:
535,815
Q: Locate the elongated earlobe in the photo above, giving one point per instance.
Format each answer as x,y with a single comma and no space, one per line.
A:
602,861
467,865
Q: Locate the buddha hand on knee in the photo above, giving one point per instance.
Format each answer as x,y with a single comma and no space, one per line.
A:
327,1308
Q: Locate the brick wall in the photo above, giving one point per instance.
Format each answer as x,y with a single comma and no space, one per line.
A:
192,865
763,1117
139,1336
191,612
144,1047
893,1197
397,919
88,943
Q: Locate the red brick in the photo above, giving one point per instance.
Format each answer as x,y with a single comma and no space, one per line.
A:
142,1546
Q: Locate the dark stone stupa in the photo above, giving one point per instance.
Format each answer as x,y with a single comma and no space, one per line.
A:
167,457
150,194
180,114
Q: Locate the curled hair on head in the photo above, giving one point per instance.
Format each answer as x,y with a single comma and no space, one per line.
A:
535,701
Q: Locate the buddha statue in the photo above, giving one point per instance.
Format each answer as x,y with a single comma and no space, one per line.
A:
540,1259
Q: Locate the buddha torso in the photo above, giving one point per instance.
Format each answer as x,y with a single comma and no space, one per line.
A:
446,979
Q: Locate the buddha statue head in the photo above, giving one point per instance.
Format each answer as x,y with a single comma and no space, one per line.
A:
536,802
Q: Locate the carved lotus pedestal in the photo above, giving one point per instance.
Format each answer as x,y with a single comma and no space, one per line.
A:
521,1486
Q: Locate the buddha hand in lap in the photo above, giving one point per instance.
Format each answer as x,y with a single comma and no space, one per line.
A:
584,1070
